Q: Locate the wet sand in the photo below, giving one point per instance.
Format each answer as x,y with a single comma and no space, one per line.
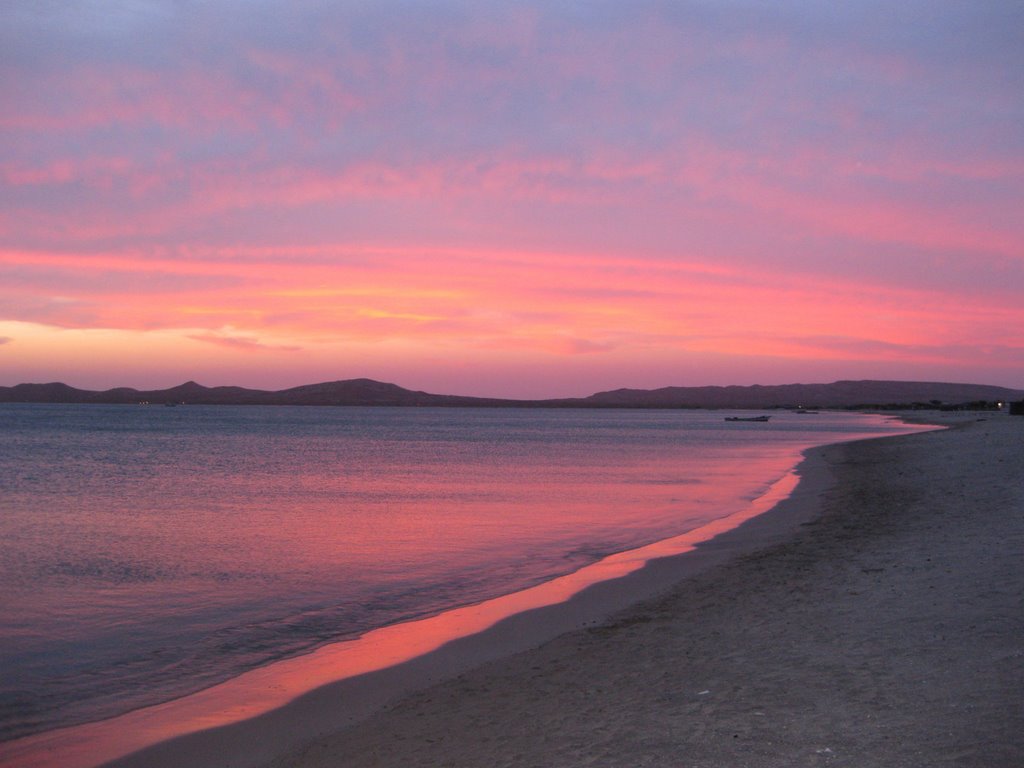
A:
882,624
873,618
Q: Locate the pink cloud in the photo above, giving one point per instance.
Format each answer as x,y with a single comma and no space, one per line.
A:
591,184
245,343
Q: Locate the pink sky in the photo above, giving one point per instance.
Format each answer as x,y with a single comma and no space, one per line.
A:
526,200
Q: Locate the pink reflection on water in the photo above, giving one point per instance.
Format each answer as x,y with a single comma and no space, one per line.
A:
264,689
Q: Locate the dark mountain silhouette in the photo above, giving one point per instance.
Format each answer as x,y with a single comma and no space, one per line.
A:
350,392
840,394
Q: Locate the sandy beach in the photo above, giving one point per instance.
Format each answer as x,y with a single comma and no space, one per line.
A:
875,617
886,629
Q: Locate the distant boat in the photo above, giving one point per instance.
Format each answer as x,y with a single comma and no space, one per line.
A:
748,418
803,410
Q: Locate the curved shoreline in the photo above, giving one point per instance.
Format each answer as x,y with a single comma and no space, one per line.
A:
266,726
884,632
346,702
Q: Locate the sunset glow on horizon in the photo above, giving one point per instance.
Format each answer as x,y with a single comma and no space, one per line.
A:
525,200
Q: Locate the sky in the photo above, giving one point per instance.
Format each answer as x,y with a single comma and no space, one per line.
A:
517,199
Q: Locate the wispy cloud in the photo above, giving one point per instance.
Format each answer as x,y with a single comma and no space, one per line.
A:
246,343
557,181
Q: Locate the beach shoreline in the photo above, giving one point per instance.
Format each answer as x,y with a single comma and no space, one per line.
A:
333,723
878,624
645,572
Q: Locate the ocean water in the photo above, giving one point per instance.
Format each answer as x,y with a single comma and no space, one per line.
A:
149,552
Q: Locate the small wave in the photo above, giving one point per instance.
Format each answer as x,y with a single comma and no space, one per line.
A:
107,570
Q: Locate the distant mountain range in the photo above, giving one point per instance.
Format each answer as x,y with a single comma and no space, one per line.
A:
840,394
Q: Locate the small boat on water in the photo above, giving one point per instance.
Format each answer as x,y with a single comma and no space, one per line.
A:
748,418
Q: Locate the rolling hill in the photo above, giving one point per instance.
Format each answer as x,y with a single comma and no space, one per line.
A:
839,394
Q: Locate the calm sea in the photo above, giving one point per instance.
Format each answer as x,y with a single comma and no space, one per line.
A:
147,552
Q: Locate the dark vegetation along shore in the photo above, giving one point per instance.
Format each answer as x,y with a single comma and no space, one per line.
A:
840,394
